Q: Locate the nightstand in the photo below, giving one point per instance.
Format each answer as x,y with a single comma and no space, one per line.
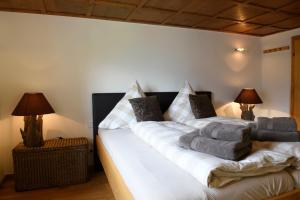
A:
59,162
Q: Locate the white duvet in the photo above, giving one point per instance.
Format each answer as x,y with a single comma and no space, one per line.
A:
208,170
200,123
290,148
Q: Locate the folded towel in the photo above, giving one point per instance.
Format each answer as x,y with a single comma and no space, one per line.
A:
277,124
226,132
284,124
228,150
279,136
264,123
186,140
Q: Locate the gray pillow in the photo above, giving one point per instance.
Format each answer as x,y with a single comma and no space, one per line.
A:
146,109
202,106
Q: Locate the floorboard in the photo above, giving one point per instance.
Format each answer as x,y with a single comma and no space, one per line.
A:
96,189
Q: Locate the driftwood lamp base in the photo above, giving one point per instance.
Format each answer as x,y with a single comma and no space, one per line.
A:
247,112
33,131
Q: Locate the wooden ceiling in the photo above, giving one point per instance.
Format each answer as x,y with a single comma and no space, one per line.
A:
253,17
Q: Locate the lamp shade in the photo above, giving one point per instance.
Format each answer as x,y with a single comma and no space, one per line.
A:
248,96
33,104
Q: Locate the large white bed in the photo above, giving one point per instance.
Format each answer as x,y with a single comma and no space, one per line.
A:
148,175
136,170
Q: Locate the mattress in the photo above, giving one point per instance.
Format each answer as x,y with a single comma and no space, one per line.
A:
149,175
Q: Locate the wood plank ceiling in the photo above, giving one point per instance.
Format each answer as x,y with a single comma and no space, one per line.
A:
253,17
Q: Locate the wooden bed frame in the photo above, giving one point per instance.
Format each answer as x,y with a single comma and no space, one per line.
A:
103,103
115,179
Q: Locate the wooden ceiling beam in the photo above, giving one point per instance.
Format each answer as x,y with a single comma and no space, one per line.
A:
269,11
216,15
91,7
247,3
142,3
220,12
44,8
178,12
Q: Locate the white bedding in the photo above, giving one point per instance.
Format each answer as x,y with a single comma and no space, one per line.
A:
150,176
290,148
207,169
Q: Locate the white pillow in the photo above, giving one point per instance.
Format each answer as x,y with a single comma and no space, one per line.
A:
180,109
123,114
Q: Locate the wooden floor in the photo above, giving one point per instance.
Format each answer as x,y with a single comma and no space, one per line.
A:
96,189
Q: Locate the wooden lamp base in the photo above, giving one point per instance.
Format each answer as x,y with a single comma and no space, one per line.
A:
247,112
33,131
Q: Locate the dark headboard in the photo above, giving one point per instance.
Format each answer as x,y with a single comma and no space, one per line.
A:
103,103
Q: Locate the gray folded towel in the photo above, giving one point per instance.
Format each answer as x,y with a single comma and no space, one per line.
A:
277,124
226,132
279,136
264,123
186,140
284,124
230,150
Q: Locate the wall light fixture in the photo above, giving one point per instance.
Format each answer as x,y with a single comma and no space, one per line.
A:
240,49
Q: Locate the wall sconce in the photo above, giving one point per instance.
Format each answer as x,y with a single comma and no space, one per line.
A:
240,49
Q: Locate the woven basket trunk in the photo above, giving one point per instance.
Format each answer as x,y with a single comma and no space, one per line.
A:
59,162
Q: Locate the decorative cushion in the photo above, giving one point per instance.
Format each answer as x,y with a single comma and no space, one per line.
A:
123,114
180,109
202,106
146,109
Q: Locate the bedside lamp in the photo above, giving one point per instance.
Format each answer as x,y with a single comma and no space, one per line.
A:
33,106
247,98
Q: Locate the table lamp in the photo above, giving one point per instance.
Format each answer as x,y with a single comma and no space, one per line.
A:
247,99
33,106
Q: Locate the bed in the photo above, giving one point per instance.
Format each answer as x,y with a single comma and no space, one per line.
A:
124,170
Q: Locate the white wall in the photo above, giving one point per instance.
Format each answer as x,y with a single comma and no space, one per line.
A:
70,58
276,74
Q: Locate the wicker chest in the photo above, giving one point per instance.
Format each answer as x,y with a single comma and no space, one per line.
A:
59,162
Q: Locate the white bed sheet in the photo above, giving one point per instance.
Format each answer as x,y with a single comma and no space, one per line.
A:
149,175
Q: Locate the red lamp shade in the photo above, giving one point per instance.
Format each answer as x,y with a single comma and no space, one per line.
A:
248,96
33,104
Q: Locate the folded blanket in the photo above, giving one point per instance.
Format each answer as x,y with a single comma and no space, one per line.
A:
226,132
286,124
279,136
209,170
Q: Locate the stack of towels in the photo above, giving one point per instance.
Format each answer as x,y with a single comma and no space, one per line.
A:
227,141
281,129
